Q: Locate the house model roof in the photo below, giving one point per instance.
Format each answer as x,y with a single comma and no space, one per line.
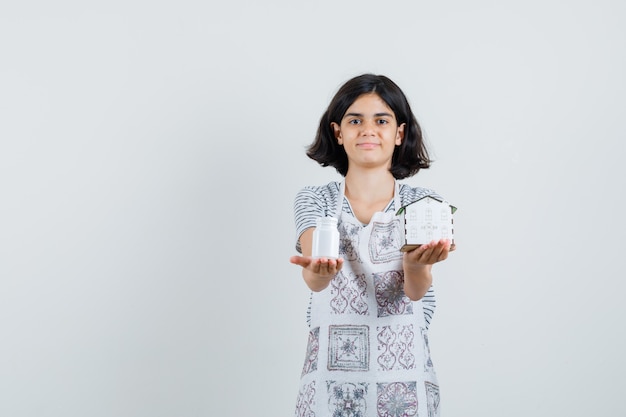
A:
429,218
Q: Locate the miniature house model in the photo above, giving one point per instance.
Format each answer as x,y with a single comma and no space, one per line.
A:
424,220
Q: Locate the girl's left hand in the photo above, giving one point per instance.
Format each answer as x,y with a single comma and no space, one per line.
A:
429,253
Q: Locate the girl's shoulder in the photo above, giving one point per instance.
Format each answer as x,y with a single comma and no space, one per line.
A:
313,201
409,194
324,192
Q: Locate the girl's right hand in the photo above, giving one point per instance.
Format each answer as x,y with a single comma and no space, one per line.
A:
324,267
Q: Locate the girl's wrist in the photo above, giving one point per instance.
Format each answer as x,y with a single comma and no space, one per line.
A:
414,267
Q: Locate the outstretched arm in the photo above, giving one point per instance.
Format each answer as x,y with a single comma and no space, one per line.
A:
317,272
418,264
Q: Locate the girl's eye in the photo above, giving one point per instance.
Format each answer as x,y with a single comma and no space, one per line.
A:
355,122
383,121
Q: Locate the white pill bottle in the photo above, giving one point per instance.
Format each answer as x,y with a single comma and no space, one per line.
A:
326,238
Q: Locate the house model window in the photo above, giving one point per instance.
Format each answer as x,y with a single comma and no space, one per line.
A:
424,220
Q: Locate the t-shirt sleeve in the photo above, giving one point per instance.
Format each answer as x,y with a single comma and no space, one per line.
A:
411,194
429,305
308,206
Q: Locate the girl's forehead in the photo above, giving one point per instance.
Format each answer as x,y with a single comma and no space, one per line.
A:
369,100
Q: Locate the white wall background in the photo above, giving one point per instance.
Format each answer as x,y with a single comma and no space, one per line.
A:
149,156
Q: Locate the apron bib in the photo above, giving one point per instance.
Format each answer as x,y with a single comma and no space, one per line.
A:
367,353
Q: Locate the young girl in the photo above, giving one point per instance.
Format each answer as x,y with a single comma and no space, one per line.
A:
369,311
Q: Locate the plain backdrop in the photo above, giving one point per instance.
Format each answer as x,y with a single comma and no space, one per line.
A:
150,152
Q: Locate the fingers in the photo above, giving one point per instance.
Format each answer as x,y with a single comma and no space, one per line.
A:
302,261
442,250
325,266
440,253
430,253
321,266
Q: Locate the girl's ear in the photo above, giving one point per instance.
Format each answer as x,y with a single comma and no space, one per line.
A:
337,131
400,134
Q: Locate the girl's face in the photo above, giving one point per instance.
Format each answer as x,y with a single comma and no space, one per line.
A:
369,132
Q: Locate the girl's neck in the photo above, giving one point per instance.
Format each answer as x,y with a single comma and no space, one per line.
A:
369,187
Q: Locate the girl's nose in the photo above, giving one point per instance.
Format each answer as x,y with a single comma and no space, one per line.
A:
368,126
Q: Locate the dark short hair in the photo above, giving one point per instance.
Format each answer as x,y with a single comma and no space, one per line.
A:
408,158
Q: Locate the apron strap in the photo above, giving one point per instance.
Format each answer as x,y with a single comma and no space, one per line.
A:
339,207
397,201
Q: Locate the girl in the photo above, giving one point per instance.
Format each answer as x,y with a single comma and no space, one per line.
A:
369,311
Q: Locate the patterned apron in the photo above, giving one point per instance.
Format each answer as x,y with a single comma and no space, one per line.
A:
367,352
